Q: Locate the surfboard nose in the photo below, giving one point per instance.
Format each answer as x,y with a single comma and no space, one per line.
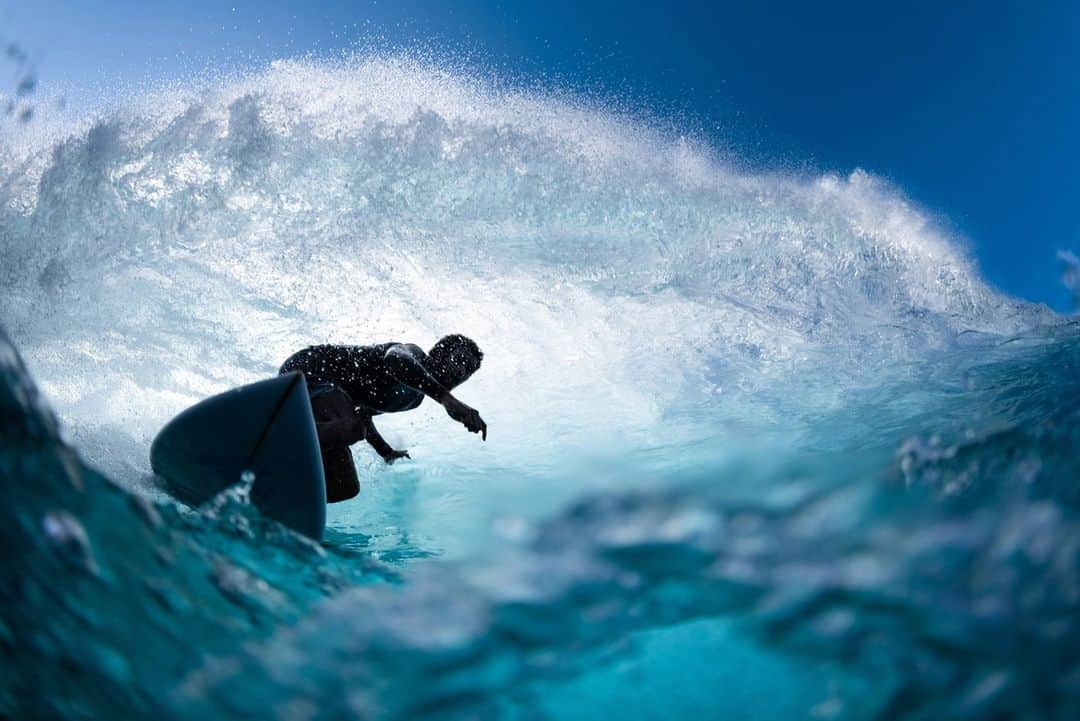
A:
265,428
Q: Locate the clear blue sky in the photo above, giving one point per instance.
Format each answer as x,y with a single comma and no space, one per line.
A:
971,107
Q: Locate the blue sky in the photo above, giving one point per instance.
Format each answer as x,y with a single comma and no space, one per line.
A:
971,107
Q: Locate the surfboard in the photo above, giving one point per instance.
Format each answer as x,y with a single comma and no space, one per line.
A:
265,429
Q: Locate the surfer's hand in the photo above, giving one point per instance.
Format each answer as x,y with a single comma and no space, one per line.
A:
393,455
465,415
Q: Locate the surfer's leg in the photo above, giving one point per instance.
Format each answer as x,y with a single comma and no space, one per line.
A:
336,420
342,482
338,426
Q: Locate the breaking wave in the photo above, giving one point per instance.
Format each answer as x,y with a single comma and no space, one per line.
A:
775,422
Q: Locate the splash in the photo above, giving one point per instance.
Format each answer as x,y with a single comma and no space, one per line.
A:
777,401
620,279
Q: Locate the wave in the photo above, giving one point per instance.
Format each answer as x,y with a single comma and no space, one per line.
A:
195,239
954,607
715,396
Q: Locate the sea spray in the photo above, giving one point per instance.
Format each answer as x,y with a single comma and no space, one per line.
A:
716,397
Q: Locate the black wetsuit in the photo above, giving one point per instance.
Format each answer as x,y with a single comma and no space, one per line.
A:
350,384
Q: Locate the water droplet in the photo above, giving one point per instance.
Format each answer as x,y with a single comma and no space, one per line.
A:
66,534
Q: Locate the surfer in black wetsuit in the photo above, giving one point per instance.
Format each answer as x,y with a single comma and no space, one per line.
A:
349,385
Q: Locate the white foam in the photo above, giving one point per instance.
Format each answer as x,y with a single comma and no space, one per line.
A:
618,278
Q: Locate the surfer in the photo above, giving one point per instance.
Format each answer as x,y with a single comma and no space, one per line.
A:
349,385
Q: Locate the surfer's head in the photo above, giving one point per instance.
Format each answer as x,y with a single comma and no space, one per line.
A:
453,359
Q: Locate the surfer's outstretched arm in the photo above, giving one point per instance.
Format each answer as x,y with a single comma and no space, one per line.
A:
380,445
406,362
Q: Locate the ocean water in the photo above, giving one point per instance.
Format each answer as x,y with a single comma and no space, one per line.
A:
762,446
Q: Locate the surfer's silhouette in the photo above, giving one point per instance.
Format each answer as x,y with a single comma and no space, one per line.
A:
349,385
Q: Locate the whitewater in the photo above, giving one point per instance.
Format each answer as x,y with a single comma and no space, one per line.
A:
762,445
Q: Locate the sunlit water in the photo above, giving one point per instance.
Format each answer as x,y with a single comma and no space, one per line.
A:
760,446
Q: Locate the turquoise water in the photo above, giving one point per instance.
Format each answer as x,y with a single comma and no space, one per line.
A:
761,446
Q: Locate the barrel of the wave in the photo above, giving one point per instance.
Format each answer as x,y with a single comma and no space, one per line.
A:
265,430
